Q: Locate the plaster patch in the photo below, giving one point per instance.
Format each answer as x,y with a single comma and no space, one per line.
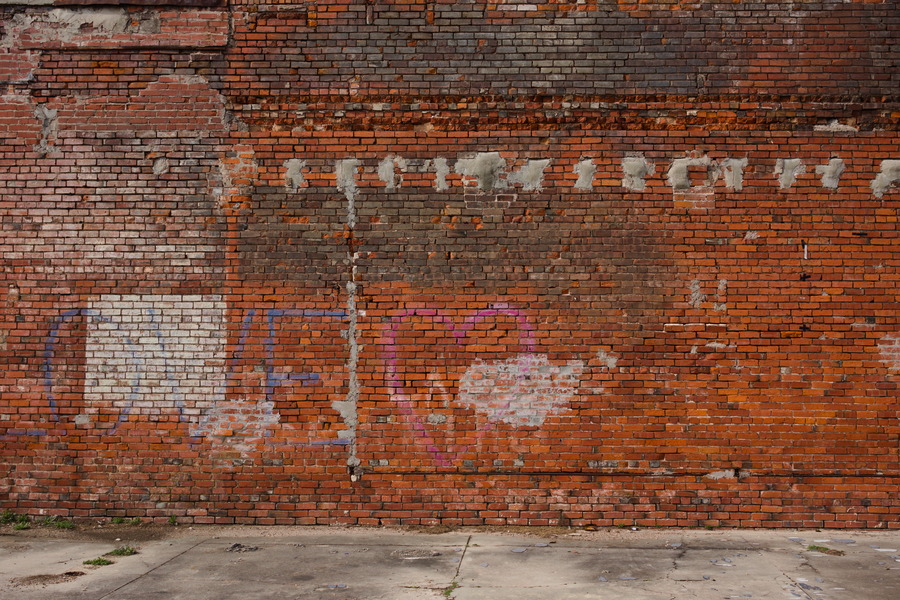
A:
679,175
787,170
441,170
112,20
836,126
155,355
521,391
585,170
161,166
345,171
831,173
733,170
487,168
531,175
636,169
293,174
390,171
887,178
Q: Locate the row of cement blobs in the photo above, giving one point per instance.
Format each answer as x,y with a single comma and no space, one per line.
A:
488,169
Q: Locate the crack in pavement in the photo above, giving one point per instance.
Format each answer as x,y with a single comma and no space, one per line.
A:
142,575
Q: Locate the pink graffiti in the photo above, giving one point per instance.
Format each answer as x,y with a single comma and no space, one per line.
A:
459,333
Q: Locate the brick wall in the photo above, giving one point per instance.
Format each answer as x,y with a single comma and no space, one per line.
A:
451,262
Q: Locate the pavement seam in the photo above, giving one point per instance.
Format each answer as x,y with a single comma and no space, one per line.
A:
142,575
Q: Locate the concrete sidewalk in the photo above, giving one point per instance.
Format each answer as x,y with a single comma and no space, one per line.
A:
356,563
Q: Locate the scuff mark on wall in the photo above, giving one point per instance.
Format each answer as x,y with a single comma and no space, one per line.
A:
520,391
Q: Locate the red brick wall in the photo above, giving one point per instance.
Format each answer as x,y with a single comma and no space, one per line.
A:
451,262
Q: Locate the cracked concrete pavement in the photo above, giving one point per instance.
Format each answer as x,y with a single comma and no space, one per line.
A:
465,564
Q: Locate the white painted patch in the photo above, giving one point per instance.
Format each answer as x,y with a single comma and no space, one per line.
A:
155,357
520,391
889,346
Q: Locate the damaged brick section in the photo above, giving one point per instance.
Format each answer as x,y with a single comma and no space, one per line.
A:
308,262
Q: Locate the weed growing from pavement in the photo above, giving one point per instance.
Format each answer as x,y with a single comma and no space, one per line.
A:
54,521
448,591
122,551
98,562
824,550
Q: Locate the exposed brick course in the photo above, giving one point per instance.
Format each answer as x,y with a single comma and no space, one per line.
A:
417,262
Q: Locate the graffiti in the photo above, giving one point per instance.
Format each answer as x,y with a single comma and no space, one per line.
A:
146,355
242,423
530,387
